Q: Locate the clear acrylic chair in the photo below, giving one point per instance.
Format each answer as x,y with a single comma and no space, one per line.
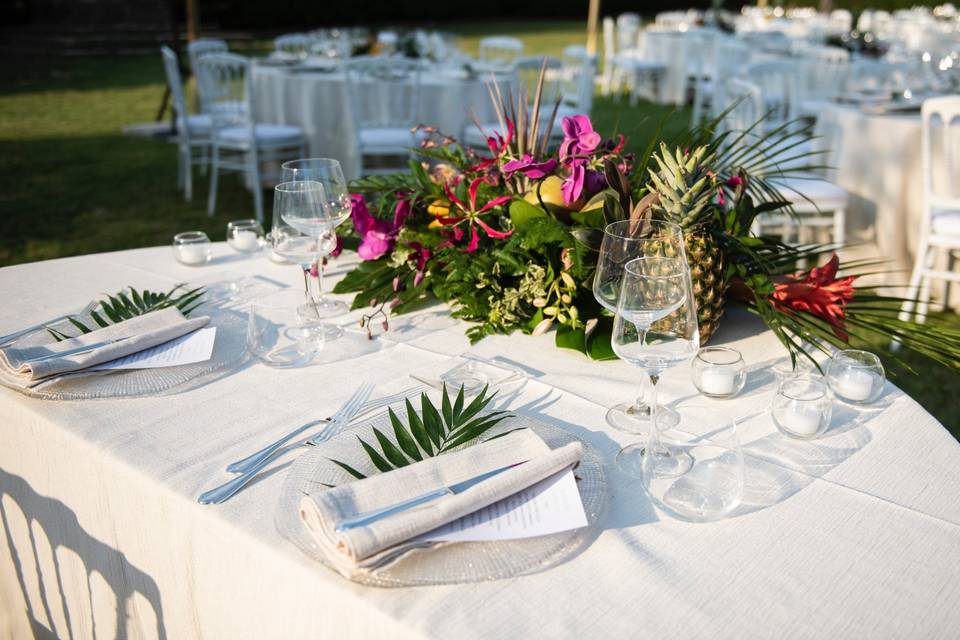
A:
940,228
630,67
817,203
502,50
203,46
578,74
193,131
238,142
384,95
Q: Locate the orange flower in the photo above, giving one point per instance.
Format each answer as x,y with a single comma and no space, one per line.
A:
818,293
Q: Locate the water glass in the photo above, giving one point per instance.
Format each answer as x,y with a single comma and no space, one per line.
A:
803,406
192,248
856,376
712,485
719,372
280,333
245,236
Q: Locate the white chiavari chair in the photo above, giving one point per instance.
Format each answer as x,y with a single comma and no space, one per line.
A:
193,130
940,228
239,143
503,50
292,45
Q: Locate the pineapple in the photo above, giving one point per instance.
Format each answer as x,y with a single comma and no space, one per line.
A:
685,190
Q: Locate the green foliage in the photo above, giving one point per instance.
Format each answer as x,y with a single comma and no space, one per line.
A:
430,433
130,303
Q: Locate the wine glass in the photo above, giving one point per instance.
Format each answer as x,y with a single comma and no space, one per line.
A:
329,173
303,232
655,329
713,485
622,242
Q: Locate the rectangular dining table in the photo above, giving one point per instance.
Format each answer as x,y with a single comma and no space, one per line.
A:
855,534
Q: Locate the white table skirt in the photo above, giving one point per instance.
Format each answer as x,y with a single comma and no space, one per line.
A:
853,535
320,104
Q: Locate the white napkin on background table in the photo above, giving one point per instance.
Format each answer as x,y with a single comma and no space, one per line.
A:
365,549
140,332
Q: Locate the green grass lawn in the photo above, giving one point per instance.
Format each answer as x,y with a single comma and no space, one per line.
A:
71,183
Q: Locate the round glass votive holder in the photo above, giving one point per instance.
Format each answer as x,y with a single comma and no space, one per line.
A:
245,236
192,248
719,372
280,331
856,376
803,406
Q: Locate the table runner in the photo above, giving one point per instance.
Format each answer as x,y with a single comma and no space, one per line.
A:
856,534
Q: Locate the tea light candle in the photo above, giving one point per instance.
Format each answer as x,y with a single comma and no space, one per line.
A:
245,241
801,418
853,385
718,381
192,253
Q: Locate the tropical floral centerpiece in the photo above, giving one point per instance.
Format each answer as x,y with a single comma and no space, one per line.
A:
509,239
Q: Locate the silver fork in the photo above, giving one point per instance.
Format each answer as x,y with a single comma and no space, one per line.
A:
240,466
228,489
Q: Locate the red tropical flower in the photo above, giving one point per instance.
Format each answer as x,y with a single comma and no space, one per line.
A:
472,214
818,293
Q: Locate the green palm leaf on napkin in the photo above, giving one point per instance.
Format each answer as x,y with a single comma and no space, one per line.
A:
129,303
428,434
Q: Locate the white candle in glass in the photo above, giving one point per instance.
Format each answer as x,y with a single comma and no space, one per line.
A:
801,418
853,384
718,381
245,241
192,253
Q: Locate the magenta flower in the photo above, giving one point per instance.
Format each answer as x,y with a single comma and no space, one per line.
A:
377,237
573,185
531,169
579,138
472,213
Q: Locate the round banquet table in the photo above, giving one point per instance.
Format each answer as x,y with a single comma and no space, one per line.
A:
320,104
856,534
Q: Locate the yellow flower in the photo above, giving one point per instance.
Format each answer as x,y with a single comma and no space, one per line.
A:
439,209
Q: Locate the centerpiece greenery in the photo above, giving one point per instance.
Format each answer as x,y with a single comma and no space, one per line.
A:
509,239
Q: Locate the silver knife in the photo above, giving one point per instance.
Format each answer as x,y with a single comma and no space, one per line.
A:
369,517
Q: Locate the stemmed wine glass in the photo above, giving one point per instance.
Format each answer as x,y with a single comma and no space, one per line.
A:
303,232
328,173
624,241
655,329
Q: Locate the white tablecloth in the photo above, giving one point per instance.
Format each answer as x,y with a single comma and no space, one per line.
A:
853,535
319,103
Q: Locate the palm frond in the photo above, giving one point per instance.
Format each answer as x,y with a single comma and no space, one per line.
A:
430,433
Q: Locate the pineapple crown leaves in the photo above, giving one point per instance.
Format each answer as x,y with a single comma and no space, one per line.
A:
129,303
684,186
429,434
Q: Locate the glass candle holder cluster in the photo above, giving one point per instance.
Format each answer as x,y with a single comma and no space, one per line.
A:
719,372
245,236
192,248
856,376
803,406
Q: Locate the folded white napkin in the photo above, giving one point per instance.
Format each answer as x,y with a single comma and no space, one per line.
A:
363,550
138,333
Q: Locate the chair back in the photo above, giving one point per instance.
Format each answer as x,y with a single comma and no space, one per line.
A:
579,69
609,40
295,45
940,144
742,101
500,49
171,66
778,86
203,46
224,81
384,91
628,31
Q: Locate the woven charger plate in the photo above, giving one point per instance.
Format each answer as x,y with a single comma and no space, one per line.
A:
229,351
449,563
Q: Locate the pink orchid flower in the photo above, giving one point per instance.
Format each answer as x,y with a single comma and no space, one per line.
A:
579,138
530,168
377,237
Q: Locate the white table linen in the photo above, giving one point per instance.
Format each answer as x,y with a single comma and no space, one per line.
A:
856,534
319,103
